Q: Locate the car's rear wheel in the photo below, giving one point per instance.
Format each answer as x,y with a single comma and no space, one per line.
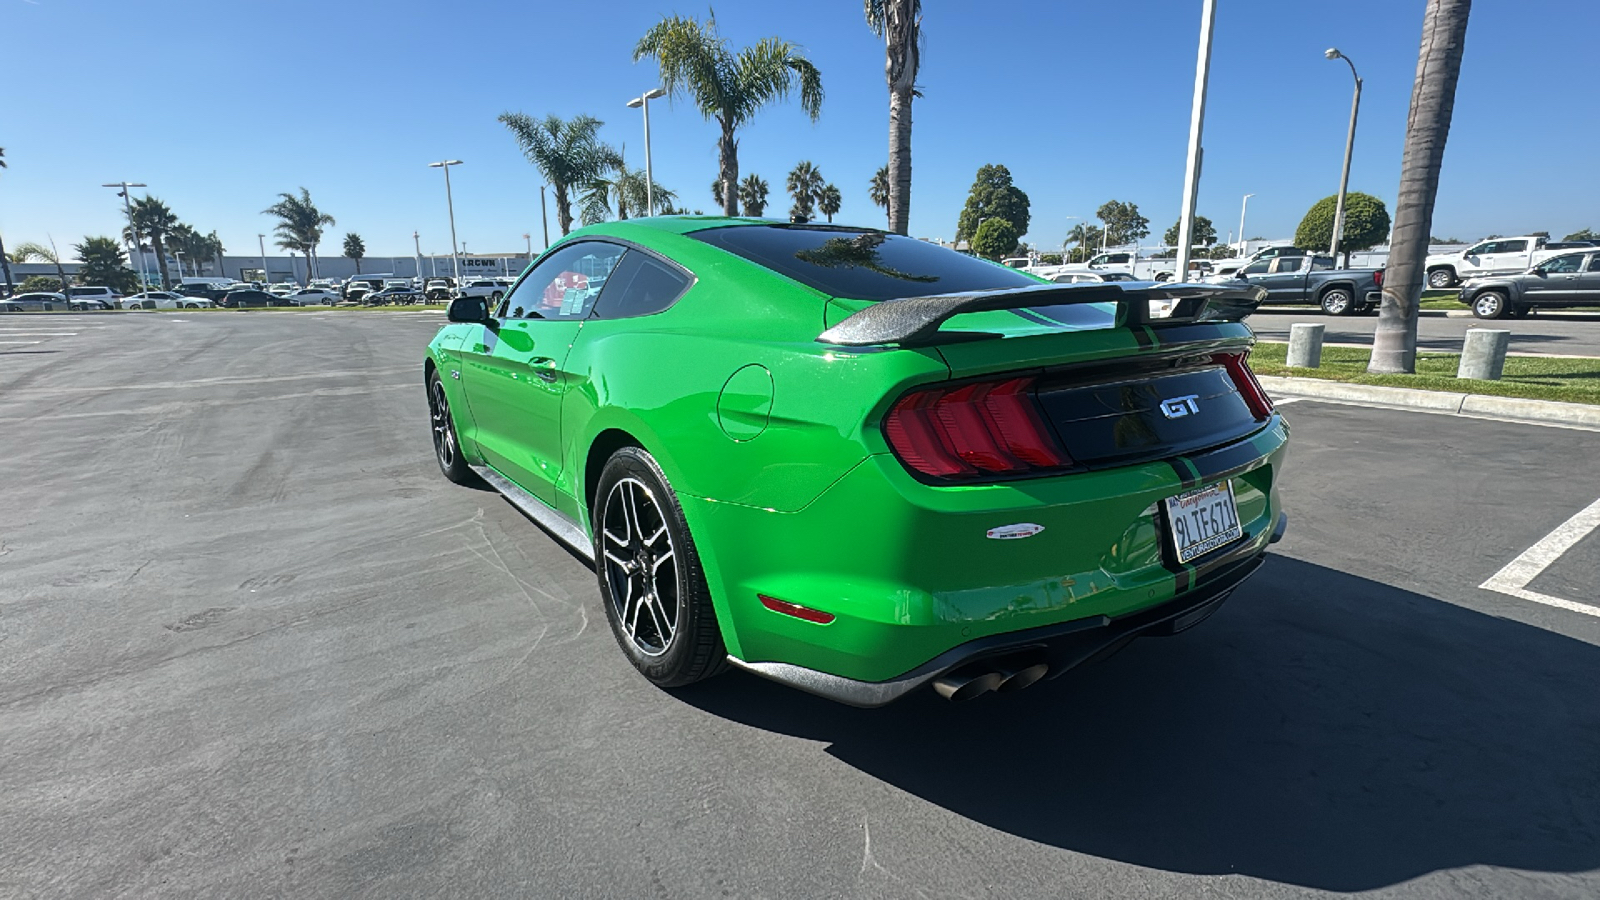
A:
1337,302
1489,305
651,582
1441,278
446,448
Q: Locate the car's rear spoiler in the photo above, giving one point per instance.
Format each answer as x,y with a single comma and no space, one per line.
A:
915,321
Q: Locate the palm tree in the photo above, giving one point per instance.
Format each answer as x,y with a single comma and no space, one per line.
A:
899,23
878,189
728,87
828,201
753,195
568,152
355,248
153,220
626,189
1433,100
300,224
29,252
178,240
805,181
1083,236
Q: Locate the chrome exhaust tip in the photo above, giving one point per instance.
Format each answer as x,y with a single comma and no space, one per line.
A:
958,687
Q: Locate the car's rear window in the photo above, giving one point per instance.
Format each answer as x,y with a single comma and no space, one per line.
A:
861,265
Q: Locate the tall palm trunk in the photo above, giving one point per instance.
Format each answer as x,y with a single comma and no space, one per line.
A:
728,153
901,26
1433,99
161,257
563,206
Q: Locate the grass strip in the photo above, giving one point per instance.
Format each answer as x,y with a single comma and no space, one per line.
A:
1529,377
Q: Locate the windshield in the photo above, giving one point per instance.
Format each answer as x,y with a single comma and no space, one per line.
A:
862,265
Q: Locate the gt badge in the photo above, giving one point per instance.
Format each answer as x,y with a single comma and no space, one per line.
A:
1178,407
1014,532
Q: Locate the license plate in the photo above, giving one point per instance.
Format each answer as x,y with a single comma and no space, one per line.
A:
1201,521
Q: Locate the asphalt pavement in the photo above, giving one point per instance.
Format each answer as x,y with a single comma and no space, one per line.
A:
1561,333
253,644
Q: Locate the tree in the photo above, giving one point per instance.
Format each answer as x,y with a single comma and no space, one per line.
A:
153,220
1123,224
626,189
1204,234
5,262
899,23
1582,234
828,201
355,248
1085,239
878,188
103,262
996,237
1366,224
805,181
568,152
43,284
993,195
753,195
1433,99
729,88
30,251
300,224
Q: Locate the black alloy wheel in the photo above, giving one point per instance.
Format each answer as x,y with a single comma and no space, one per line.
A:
651,582
446,447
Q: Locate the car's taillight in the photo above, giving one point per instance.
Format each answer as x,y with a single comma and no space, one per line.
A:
1245,381
983,428
1377,278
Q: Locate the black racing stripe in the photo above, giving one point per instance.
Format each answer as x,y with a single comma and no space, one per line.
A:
1035,318
1169,335
1184,477
1141,335
1218,463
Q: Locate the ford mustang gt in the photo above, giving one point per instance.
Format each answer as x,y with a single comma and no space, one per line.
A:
859,463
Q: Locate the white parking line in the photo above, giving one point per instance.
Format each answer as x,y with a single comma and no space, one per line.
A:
1282,401
21,342
18,332
1513,580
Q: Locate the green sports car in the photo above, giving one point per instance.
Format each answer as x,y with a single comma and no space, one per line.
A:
859,463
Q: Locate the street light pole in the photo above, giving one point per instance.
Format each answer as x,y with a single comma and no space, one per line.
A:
261,239
133,234
649,179
1349,145
544,217
417,240
1197,117
1064,259
178,255
1242,207
449,200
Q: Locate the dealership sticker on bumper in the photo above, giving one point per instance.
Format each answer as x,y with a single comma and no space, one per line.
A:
1201,521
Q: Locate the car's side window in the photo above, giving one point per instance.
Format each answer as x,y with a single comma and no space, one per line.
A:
1480,249
1594,263
1289,264
1512,247
1257,268
1563,264
641,285
565,284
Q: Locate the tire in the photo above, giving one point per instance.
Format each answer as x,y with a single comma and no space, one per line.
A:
1337,302
671,640
1163,277
1520,312
1490,305
446,447
1442,278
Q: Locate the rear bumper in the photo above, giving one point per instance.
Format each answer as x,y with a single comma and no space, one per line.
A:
1062,647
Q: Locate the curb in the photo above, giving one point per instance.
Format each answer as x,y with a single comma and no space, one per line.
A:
1581,415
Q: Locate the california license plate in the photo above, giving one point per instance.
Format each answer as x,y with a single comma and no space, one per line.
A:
1201,521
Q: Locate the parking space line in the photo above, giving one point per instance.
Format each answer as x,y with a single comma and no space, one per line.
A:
1513,580
1284,401
21,342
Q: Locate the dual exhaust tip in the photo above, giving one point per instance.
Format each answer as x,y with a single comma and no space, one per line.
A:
1002,674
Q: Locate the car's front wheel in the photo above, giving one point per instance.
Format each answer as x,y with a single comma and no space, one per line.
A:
1489,305
651,582
1441,278
446,448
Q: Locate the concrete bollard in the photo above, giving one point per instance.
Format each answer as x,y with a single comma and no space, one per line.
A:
1483,356
1305,345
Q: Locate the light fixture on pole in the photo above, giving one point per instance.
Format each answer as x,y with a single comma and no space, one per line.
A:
643,100
417,240
450,202
261,239
1245,204
529,238
133,235
1197,118
1349,145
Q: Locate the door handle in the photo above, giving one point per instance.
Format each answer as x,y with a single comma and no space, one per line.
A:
545,368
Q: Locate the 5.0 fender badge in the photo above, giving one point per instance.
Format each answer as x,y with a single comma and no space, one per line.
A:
1014,532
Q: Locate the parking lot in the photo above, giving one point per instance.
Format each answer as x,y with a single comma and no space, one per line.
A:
253,644
1562,333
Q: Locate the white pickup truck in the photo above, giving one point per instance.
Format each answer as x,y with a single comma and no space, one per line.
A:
1142,268
1498,256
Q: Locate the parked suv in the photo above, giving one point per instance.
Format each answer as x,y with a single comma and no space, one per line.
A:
1501,256
93,297
1571,279
483,287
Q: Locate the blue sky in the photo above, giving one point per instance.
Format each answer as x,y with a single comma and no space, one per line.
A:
220,106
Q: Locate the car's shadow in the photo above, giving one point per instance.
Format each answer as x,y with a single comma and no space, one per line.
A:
1322,730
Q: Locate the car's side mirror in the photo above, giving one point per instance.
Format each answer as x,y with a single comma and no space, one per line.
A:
1540,272
468,309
